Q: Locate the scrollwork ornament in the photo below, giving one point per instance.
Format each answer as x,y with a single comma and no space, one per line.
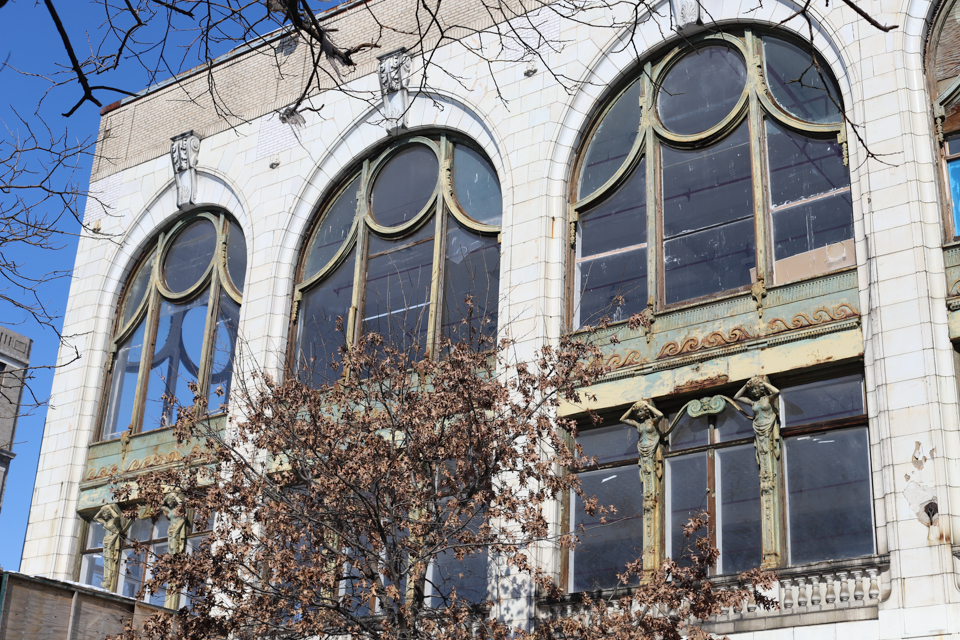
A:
184,153
706,406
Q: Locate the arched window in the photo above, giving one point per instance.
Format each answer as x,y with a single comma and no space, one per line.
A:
398,251
177,324
943,72
723,162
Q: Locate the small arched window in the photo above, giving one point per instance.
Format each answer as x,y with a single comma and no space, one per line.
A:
722,163
943,73
177,324
407,248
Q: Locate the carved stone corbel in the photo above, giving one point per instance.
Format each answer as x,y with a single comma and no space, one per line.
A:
180,517
115,526
759,291
763,398
394,73
184,153
686,14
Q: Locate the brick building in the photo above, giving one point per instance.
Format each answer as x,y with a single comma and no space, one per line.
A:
714,182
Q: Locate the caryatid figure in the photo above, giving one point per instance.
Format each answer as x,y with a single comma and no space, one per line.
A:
180,517
644,415
115,526
763,398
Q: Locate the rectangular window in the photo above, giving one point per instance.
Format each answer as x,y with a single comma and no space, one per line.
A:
952,148
608,540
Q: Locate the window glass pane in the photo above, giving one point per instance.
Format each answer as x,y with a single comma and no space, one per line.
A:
606,548
812,225
141,530
686,497
472,269
732,425
237,256
701,89
476,186
953,144
158,597
132,577
823,400
953,169
689,432
612,141
708,217
801,167
160,527
137,289
189,255
706,187
224,345
828,496
738,485
123,386
405,185
601,279
176,360
620,221
609,444
709,261
467,576
333,230
318,339
95,534
91,569
397,296
797,85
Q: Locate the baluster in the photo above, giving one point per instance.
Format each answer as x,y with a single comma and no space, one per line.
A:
844,587
831,593
802,589
815,596
857,585
874,592
787,591
751,602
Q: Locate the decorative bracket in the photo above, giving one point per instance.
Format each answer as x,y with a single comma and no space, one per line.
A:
394,75
842,141
759,291
184,153
686,15
938,116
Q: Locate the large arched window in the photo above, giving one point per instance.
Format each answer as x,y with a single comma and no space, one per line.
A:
723,162
943,72
398,251
177,324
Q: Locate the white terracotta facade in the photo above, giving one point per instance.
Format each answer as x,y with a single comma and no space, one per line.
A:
533,135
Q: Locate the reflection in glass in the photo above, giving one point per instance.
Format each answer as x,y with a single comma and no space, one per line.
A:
176,360
467,576
689,432
133,570
953,170
738,486
237,256
318,339
732,425
158,597
620,220
812,225
602,279
397,293
701,89
224,345
686,497
476,186
472,270
797,85
823,400
91,569
123,391
612,141
708,218
95,535
606,547
801,167
828,496
609,444
189,255
333,230
404,186
137,289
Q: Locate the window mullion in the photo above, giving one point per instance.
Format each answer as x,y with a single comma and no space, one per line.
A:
756,151
209,332
439,249
652,151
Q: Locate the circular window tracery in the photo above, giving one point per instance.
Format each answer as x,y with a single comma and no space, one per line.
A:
374,261
725,151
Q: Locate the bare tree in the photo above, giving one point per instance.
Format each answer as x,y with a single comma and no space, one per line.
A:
370,507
